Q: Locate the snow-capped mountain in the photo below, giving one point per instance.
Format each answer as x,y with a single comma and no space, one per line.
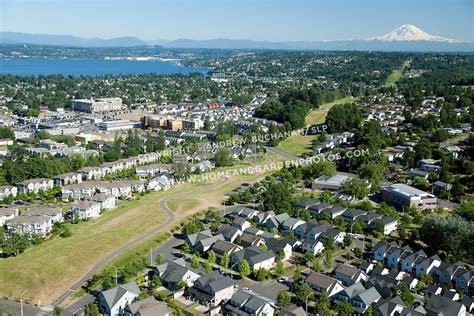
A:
409,32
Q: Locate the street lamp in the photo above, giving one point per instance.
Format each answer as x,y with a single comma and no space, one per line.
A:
232,274
116,274
21,301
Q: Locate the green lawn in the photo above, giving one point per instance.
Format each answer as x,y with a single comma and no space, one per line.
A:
300,144
397,74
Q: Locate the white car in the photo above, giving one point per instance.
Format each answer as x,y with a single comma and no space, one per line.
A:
282,279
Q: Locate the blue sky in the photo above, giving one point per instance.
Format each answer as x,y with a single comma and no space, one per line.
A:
274,20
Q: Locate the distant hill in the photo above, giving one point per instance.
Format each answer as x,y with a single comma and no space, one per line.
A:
68,40
405,38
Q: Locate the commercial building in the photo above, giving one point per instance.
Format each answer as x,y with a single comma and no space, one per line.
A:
97,105
404,196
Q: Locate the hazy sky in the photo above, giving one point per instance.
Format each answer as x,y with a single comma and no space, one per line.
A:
274,20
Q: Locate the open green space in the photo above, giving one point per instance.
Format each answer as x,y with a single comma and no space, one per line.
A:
300,144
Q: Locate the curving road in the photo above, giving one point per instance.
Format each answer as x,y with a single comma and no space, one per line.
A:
169,220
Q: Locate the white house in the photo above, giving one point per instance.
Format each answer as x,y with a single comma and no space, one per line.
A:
113,302
6,190
86,209
35,185
106,202
27,225
7,213
312,246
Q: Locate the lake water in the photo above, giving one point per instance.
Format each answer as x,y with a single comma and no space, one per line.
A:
93,67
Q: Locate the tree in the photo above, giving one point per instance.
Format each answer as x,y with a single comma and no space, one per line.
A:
57,310
347,241
322,305
159,259
329,244
426,279
91,310
358,252
245,268
422,149
223,157
344,308
357,188
297,276
303,291
316,265
279,269
194,262
211,256
225,260
261,274
207,267
284,298
328,258
369,311
403,291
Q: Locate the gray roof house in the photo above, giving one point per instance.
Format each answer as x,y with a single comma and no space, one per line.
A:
324,284
255,257
147,307
114,301
221,246
172,272
212,289
229,232
247,302
443,306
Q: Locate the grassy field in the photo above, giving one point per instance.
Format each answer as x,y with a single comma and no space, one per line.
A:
49,269
300,144
397,74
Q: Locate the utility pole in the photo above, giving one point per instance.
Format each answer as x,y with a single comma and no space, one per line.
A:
21,301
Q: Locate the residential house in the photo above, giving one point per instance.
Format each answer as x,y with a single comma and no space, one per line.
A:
230,233
255,258
312,246
7,213
396,256
428,266
317,209
212,289
262,217
290,224
192,240
440,306
35,185
221,246
387,224
67,178
304,231
55,213
410,262
171,273
147,307
27,225
247,240
352,215
280,247
107,202
241,223
86,209
363,300
275,221
349,275
333,212
246,302
324,284
333,233
7,190
113,301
